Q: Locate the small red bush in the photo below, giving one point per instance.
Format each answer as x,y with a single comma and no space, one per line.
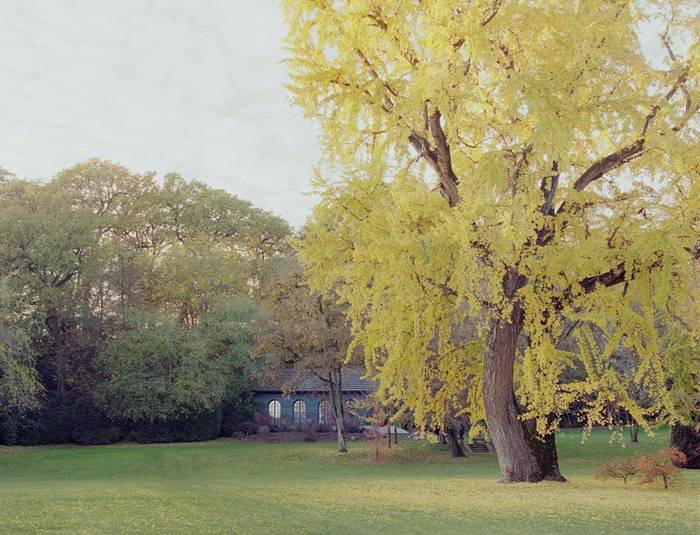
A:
661,465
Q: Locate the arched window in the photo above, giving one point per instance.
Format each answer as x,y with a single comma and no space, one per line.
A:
299,409
325,412
274,409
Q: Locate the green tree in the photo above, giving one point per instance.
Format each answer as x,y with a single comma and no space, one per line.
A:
158,370
90,249
19,384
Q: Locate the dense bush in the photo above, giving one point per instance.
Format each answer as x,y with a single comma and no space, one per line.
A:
191,428
663,465
237,413
74,418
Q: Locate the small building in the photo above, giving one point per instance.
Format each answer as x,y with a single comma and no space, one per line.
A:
309,402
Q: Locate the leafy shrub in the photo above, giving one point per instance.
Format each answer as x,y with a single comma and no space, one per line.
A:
191,428
237,411
662,465
75,418
618,468
88,424
248,427
309,433
262,418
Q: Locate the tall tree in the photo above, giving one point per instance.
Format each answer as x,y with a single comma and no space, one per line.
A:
19,384
156,370
97,246
306,333
567,164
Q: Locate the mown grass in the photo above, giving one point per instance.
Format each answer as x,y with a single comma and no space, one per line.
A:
236,487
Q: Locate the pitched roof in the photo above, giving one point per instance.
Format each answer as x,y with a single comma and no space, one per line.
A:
351,378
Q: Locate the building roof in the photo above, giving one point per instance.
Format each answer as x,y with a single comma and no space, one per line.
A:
351,378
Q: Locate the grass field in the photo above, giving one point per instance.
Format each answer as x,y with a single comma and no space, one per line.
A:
230,486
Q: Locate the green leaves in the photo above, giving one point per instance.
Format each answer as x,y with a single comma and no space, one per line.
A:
156,370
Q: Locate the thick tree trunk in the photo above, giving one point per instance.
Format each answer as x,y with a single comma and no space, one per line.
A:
545,451
336,395
453,441
515,456
687,439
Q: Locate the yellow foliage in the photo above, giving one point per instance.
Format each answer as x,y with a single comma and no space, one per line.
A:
575,156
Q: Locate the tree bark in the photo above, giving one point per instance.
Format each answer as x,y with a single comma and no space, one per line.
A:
453,441
515,456
687,439
545,451
53,324
634,430
335,388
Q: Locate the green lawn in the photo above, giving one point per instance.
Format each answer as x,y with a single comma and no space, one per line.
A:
230,486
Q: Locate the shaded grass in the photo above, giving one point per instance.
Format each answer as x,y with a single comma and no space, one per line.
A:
228,486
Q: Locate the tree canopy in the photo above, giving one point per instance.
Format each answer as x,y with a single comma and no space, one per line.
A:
129,289
567,165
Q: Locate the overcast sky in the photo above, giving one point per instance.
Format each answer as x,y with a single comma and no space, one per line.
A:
187,86
193,86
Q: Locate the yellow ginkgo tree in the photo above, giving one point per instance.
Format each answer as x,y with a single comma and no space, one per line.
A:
521,165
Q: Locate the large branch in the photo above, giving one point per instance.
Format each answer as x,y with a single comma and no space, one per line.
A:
626,154
610,278
618,274
439,157
608,163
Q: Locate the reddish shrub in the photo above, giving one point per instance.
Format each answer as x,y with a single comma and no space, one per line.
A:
662,465
262,418
309,433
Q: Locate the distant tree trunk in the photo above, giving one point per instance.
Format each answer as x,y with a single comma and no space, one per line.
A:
687,439
515,456
634,430
55,329
452,437
336,394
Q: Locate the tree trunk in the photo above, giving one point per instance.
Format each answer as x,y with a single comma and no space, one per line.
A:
545,451
687,439
53,324
453,441
515,456
336,395
634,430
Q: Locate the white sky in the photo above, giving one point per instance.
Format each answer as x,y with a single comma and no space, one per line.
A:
193,86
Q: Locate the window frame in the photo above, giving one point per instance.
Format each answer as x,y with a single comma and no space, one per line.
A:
278,406
325,409
299,414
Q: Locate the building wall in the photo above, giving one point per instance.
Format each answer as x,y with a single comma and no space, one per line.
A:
262,400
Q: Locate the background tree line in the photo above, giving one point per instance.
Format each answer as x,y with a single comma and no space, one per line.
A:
126,304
